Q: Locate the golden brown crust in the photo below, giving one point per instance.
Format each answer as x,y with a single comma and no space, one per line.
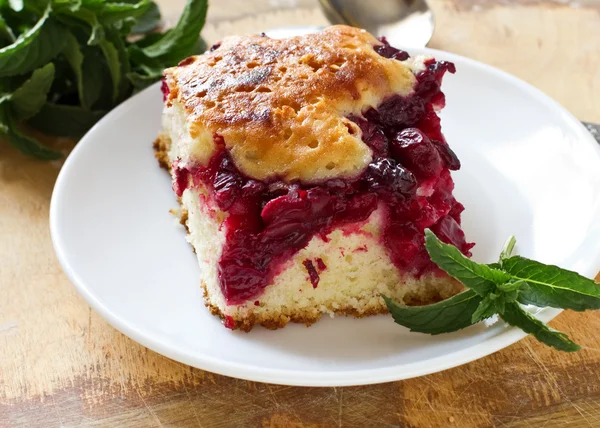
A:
161,148
281,105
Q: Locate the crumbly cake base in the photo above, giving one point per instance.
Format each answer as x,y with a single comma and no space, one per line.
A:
292,298
277,321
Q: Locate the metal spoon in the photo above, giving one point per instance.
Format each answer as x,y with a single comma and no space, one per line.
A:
408,23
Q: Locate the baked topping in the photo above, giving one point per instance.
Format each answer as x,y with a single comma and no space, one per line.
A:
282,107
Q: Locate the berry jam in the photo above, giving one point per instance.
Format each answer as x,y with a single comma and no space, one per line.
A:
408,178
313,275
164,88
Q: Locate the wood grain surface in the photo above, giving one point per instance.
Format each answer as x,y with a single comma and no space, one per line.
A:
61,365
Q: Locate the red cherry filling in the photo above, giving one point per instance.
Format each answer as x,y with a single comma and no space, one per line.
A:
268,223
164,88
312,273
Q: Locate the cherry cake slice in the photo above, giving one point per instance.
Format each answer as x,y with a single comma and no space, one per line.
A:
307,170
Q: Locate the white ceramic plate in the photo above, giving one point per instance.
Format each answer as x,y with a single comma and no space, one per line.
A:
529,169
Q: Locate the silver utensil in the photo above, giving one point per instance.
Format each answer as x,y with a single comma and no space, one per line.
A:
408,23
594,130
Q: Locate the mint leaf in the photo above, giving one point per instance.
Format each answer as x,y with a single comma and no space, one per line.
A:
512,285
112,60
180,41
125,88
486,308
507,250
24,143
112,12
76,12
74,56
6,32
148,21
65,120
518,317
92,74
34,48
443,317
141,81
552,286
478,277
29,98
497,289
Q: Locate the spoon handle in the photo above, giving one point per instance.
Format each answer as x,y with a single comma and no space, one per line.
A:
594,130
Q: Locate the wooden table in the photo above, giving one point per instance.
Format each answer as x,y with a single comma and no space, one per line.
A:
63,365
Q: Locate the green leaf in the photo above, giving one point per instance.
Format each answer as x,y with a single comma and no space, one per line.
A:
86,16
125,87
114,65
112,12
512,285
148,21
179,42
507,250
64,120
147,40
518,317
34,48
479,277
446,316
486,308
29,98
74,56
138,57
552,286
24,143
6,32
142,81
93,72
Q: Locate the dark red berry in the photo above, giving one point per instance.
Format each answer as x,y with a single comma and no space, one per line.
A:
448,156
372,135
388,176
387,51
413,149
397,112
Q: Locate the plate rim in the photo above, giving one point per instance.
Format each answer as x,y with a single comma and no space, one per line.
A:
503,339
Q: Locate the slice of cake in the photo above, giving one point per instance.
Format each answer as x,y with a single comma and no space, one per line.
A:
307,169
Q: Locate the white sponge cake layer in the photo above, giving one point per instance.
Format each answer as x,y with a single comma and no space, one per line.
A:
358,270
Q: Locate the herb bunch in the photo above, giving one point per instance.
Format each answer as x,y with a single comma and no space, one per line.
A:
499,289
65,63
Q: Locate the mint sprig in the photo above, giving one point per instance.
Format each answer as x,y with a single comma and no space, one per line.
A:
499,288
65,63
